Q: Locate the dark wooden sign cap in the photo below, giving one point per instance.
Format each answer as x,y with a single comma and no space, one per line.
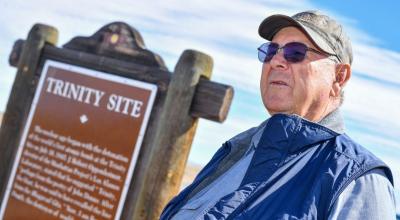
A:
117,40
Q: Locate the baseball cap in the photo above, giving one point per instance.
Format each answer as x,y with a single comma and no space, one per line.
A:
326,34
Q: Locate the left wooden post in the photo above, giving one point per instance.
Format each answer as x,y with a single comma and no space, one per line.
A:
21,96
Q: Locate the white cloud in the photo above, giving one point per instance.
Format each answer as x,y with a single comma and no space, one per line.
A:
378,63
373,101
211,135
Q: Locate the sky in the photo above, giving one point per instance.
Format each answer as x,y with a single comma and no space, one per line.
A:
227,31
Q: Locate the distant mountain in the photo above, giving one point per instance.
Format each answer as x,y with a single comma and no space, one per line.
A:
191,171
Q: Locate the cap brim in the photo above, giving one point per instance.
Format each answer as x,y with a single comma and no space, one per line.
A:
274,23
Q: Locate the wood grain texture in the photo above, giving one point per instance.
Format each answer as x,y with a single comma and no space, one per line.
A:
174,136
22,93
120,41
212,100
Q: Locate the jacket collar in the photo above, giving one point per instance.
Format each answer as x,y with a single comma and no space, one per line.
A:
333,121
291,132
283,138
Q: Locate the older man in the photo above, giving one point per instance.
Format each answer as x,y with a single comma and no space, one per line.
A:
299,164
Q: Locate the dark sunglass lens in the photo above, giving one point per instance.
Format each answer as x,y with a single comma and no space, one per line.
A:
295,52
272,50
261,55
266,51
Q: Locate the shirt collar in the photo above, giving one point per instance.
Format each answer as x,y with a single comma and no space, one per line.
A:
333,121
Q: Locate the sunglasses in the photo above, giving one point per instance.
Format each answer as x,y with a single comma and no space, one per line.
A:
293,52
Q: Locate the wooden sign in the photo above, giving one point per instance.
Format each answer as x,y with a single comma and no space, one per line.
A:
79,145
70,136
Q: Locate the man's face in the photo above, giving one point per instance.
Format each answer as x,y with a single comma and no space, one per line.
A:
301,88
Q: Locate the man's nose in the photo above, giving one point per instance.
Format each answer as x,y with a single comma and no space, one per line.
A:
278,61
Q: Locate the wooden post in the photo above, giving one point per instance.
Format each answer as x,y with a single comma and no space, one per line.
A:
21,96
174,136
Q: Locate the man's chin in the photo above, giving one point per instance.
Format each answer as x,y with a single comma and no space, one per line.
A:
273,111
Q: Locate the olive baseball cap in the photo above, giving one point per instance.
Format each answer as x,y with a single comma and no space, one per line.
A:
326,34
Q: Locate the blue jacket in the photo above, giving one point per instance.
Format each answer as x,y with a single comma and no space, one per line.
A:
301,166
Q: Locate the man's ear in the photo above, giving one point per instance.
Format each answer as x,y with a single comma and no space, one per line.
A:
343,74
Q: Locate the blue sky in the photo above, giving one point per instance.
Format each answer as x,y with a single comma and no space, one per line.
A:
227,30
378,18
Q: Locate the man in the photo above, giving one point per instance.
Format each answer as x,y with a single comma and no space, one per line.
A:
299,164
